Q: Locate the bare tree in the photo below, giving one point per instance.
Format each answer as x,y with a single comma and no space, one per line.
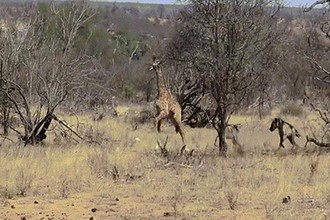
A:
320,2
5,106
321,138
319,44
229,44
41,66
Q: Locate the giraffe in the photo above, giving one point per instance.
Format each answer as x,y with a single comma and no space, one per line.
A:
167,106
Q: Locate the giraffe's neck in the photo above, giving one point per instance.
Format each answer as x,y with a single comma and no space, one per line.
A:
162,90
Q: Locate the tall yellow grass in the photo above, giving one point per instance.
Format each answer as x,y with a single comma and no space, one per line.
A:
66,176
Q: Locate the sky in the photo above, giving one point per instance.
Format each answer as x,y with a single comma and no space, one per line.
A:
288,2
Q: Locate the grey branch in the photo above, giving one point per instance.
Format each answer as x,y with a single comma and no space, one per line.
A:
316,142
320,2
323,115
320,67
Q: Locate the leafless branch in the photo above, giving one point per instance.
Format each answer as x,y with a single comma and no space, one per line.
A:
316,142
66,126
326,77
323,115
172,163
7,138
320,2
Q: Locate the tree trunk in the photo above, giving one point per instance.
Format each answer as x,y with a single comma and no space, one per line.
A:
221,130
5,104
39,132
5,118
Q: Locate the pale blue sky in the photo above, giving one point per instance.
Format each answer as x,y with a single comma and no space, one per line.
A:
288,2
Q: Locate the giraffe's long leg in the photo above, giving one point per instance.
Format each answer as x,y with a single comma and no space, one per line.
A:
176,121
162,115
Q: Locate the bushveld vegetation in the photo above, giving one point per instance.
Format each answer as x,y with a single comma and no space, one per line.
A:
79,139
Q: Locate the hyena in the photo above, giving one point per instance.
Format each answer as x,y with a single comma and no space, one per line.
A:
285,131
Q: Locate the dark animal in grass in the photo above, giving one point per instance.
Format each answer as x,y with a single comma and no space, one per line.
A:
285,131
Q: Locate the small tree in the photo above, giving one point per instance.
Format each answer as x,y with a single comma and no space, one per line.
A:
229,44
318,42
41,66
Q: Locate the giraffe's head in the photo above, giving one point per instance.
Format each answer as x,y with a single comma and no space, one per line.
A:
155,64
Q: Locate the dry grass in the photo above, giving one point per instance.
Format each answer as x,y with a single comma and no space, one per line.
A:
121,175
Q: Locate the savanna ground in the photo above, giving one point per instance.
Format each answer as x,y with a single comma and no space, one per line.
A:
120,174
